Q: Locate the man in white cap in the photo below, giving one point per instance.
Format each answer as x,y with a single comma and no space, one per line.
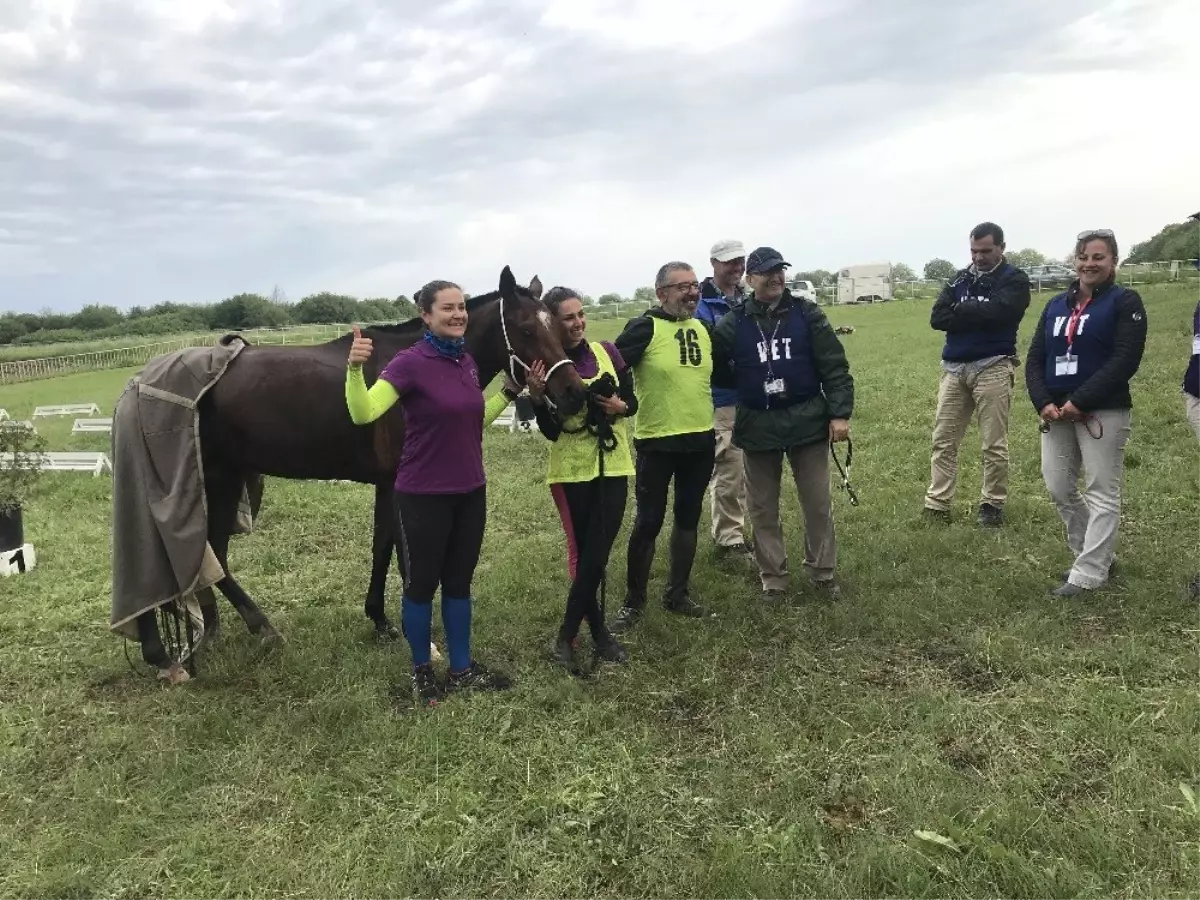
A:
720,293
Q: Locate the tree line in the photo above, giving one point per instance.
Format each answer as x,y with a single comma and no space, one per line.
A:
237,313
98,321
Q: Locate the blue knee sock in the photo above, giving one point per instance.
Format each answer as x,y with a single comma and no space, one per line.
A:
456,620
418,625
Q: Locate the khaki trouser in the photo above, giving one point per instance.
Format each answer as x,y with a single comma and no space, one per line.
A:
728,483
1193,413
810,471
960,397
1093,517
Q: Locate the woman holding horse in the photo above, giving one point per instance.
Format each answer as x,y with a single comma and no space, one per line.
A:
440,488
588,471
1087,346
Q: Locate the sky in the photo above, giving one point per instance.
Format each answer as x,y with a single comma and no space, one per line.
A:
192,150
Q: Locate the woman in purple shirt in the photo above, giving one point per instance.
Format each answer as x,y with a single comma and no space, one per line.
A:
440,499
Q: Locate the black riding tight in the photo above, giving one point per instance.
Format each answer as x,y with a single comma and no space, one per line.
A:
592,513
440,537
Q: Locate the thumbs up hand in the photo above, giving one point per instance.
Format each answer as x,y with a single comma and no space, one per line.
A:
360,349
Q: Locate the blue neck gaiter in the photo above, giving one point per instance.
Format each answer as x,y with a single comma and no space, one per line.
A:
451,348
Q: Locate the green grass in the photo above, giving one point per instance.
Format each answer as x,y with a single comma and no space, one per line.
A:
789,752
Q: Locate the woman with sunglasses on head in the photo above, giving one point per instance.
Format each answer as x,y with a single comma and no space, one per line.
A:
588,472
1087,347
440,487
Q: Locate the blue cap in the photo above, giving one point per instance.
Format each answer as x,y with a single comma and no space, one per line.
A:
764,259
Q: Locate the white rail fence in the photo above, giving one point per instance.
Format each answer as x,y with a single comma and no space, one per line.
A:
1131,274
123,357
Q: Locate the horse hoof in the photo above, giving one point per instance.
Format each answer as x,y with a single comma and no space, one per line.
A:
386,631
174,674
269,637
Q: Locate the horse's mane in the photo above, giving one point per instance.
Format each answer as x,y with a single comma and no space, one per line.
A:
416,323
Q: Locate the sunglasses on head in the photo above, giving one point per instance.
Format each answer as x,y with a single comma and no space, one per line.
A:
1095,233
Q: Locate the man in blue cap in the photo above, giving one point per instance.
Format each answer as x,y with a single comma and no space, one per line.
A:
795,394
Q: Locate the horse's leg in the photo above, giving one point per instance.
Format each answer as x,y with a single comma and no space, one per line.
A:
208,611
154,654
382,543
224,491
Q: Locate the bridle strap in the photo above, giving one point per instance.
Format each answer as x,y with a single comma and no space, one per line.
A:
514,360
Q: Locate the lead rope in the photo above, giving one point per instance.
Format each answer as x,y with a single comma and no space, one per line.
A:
1044,428
845,472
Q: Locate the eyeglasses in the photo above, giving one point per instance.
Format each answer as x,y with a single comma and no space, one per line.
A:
1095,232
685,286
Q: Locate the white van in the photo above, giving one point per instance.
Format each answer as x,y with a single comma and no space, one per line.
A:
805,289
868,283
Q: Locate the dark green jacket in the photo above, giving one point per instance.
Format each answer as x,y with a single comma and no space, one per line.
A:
807,422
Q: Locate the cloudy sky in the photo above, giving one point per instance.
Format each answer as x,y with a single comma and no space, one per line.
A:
188,150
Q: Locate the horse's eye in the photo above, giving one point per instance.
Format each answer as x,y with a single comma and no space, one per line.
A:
527,331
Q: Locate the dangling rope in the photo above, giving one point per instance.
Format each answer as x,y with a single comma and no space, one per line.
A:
845,472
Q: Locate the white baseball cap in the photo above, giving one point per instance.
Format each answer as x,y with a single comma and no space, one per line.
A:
724,251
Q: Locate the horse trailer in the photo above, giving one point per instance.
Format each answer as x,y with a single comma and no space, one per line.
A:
868,283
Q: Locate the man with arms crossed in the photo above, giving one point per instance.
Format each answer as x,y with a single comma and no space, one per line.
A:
980,310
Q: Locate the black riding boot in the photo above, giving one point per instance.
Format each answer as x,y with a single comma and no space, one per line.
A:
640,558
683,554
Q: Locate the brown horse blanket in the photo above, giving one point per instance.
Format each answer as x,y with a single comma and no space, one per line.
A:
160,550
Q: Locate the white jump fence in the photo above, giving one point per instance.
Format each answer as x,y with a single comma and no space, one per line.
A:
125,357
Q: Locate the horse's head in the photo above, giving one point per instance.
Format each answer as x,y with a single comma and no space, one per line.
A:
529,334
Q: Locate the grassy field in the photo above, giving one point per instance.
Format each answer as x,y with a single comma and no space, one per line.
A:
1040,748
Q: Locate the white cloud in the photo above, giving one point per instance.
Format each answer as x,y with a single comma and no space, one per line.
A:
159,151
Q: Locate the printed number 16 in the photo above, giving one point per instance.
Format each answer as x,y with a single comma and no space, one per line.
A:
689,347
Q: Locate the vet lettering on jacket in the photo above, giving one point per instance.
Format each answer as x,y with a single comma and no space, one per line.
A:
770,349
1060,321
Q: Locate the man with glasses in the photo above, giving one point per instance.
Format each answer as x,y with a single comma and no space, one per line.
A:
980,311
670,354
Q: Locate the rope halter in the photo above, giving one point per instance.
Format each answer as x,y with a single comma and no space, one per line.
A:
514,360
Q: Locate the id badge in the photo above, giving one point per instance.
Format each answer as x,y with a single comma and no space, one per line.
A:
1196,345
774,387
1066,365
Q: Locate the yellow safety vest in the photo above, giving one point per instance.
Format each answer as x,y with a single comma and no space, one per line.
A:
673,381
576,456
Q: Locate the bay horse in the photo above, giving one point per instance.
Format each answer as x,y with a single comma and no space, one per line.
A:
281,411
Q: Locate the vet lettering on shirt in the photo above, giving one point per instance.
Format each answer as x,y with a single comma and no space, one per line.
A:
1060,321
769,349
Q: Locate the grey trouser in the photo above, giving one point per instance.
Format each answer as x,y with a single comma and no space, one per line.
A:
810,471
1093,517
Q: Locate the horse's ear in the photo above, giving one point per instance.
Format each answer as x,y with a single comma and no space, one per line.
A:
508,284
535,288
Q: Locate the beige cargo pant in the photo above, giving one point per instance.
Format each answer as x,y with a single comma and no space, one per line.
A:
810,471
728,484
1193,413
962,396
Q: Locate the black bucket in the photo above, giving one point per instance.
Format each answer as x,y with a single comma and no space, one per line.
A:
12,529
